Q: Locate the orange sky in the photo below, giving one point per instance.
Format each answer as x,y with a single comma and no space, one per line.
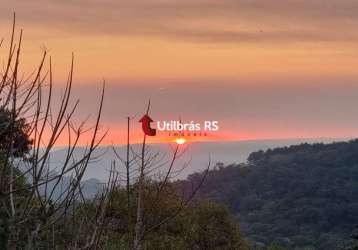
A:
260,51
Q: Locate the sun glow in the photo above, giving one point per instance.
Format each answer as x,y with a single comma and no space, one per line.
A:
180,141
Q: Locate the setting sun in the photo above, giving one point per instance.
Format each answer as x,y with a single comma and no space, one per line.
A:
180,141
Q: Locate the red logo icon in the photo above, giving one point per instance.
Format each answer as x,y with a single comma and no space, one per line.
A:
146,120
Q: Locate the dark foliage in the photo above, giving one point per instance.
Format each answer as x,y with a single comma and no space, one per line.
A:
16,131
301,197
203,225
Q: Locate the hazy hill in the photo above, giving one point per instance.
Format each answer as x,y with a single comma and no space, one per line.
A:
303,196
198,153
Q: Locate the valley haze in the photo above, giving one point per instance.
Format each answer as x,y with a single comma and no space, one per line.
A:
198,153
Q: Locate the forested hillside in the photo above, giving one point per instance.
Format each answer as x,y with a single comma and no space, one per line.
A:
303,197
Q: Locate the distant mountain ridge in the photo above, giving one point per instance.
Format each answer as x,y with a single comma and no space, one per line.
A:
230,152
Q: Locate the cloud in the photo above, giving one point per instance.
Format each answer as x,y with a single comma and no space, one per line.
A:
224,21
304,110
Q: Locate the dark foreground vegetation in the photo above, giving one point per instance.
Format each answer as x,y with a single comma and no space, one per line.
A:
300,197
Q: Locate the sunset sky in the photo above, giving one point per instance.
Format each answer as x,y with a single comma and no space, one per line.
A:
263,69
